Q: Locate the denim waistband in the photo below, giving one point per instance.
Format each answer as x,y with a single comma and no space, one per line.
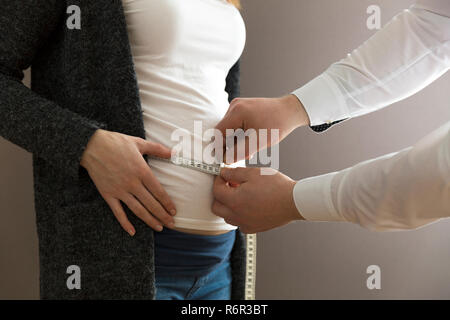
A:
182,254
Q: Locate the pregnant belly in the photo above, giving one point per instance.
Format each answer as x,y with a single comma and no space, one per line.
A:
191,191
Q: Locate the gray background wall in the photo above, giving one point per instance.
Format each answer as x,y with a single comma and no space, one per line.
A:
19,278
289,42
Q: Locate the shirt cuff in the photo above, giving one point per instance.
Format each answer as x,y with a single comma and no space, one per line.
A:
313,199
323,100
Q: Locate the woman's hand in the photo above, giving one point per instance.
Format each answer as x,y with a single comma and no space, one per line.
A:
115,164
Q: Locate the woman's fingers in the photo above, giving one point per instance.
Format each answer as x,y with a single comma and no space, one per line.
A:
154,149
153,214
141,212
114,168
120,215
148,178
153,206
151,183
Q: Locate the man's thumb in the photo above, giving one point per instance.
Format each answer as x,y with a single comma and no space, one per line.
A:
234,175
229,121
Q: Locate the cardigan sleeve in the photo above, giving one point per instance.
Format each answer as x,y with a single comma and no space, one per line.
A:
40,126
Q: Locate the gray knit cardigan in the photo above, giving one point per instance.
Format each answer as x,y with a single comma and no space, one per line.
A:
82,80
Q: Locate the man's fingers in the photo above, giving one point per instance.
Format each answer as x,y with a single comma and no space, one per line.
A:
226,213
222,191
228,122
235,175
242,149
120,215
222,211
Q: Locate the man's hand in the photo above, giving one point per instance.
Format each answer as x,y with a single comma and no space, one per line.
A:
285,114
115,164
254,202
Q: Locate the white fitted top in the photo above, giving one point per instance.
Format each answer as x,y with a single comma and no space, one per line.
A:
183,51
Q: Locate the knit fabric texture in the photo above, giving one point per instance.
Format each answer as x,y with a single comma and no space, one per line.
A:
82,80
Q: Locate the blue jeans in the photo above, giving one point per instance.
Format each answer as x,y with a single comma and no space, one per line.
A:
216,285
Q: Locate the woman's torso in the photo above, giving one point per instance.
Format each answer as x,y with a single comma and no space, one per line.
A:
183,51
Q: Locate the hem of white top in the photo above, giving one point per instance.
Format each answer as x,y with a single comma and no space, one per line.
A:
202,225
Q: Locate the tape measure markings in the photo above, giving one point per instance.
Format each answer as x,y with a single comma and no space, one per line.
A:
214,169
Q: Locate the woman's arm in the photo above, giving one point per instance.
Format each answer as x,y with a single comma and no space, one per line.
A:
66,139
38,125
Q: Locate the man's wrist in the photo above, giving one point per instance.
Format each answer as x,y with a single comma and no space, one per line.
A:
296,110
295,214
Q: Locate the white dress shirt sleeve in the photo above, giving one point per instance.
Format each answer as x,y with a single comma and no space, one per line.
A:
405,56
404,190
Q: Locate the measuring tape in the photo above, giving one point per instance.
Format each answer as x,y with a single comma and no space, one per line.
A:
214,169
250,274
